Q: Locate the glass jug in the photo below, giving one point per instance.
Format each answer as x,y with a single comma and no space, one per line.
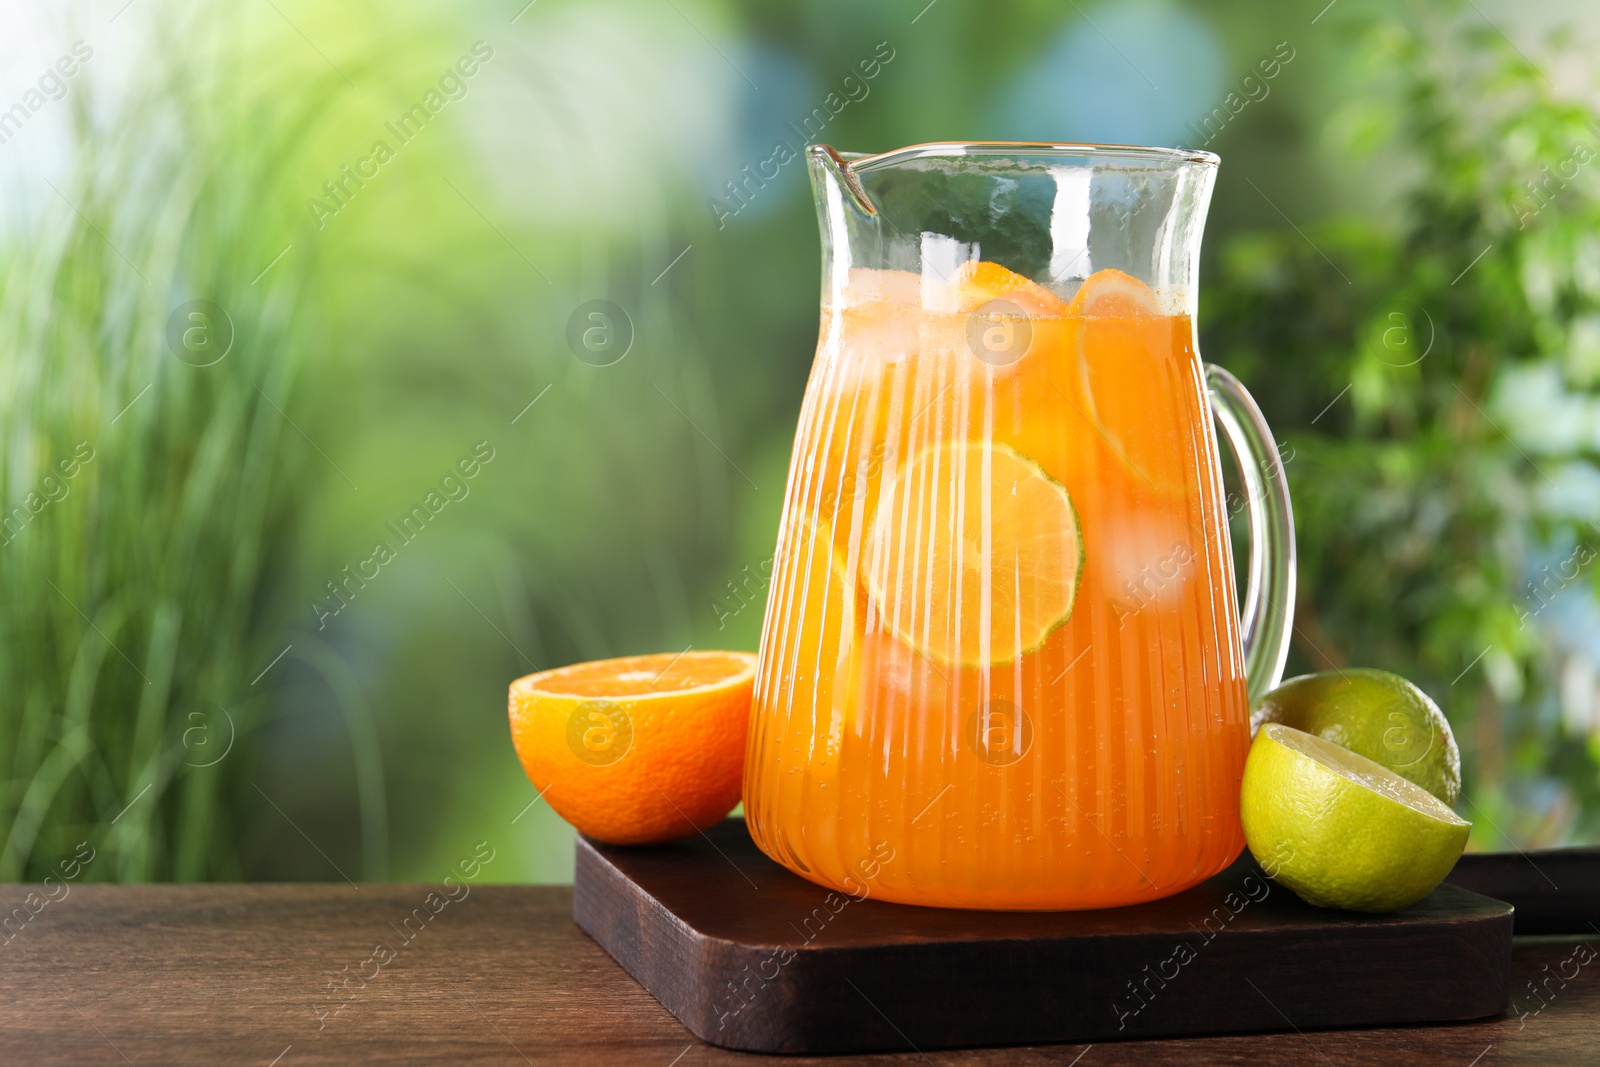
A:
1002,664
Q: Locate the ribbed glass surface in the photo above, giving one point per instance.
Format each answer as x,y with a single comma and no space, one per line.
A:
1001,663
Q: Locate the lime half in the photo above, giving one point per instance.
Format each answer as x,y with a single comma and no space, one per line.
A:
975,554
1341,830
1378,715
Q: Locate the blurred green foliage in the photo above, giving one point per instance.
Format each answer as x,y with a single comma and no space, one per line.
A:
1436,383
146,494
209,588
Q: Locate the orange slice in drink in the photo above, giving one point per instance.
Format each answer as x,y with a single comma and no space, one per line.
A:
973,284
1004,316
1126,368
637,750
976,282
974,554
1113,294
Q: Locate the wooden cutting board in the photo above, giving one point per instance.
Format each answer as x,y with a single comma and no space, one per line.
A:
750,956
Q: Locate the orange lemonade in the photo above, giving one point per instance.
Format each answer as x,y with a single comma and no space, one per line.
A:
1001,665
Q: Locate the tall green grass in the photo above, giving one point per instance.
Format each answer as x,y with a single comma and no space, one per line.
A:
133,613
137,611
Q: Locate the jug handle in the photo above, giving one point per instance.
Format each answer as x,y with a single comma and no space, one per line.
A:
1268,611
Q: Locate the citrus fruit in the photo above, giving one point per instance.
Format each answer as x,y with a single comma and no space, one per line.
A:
1341,830
1126,356
974,554
999,317
1113,294
977,282
1376,714
640,749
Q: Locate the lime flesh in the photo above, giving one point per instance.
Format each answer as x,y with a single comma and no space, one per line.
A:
1341,830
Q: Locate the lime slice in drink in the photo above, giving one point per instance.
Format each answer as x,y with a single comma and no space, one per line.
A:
974,554
1341,830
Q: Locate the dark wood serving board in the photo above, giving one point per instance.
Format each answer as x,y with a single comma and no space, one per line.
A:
750,956
1555,890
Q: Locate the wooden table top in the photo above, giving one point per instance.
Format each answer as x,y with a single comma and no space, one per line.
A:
289,975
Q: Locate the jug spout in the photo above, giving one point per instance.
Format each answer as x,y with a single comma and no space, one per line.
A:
846,215
830,167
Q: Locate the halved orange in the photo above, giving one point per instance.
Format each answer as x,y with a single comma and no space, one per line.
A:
637,750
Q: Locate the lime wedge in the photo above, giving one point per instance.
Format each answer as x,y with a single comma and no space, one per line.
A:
974,554
1341,830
